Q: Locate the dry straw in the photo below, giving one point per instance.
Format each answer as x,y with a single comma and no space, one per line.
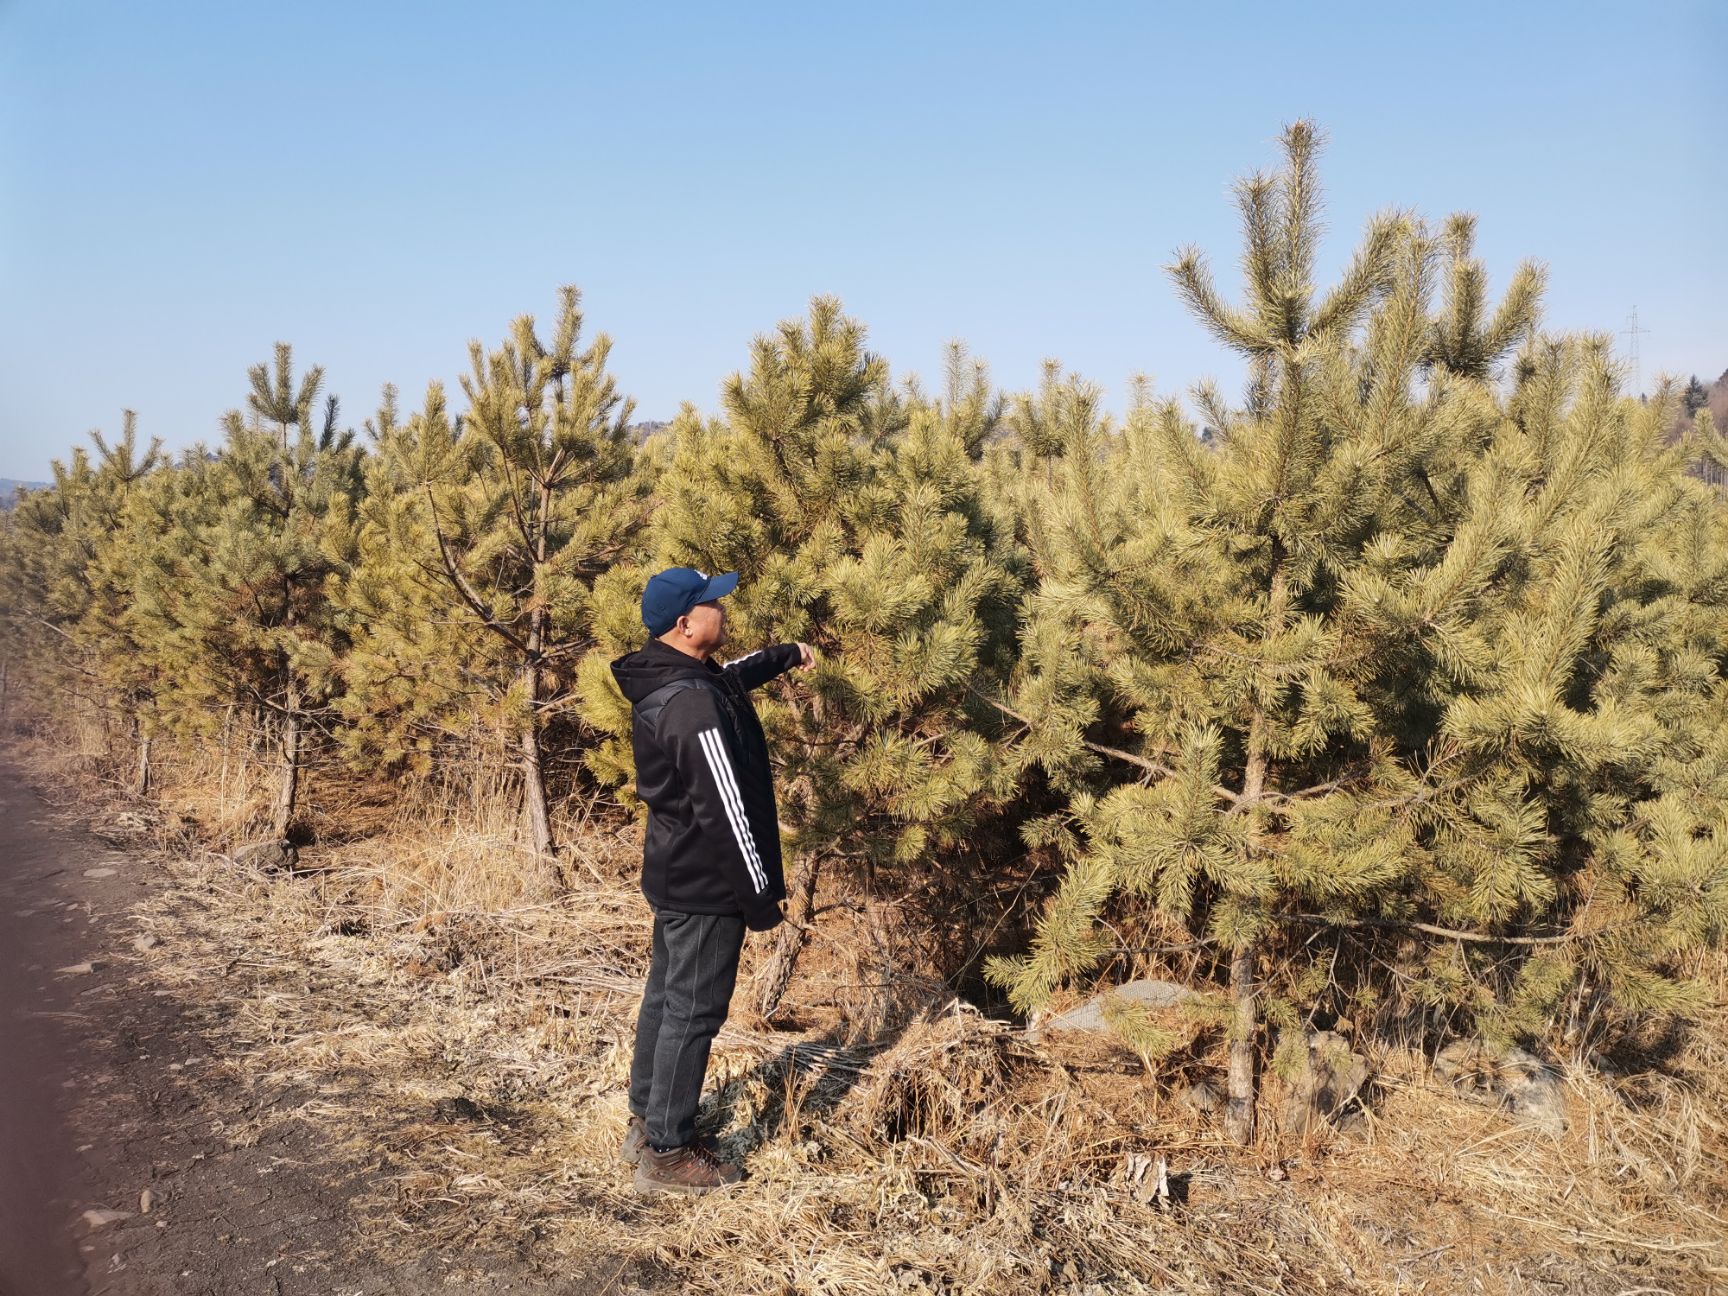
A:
475,1050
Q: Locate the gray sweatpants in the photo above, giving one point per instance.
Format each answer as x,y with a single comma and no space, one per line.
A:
690,978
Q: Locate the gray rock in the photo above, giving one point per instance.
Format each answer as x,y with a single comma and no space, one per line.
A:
270,856
1202,1097
98,872
1510,1078
145,943
77,969
1330,1076
122,827
95,1219
1089,1016
458,1108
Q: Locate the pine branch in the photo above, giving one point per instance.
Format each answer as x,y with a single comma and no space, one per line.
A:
1318,789
1453,933
528,547
1117,753
465,589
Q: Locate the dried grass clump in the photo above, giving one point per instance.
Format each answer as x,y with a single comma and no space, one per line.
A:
936,1082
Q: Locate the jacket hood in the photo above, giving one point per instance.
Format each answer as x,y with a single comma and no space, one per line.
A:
639,673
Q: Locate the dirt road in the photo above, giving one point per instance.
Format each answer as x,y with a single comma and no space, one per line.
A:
107,1093
42,928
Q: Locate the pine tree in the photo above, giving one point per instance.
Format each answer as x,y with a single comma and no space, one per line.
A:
421,675
853,514
495,526
67,586
1695,398
1598,729
232,603
110,574
1262,670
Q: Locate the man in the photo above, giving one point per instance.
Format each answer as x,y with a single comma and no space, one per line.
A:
710,859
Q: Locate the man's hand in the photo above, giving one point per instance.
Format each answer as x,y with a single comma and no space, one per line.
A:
806,657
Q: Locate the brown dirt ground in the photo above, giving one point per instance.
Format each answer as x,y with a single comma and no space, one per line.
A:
106,1091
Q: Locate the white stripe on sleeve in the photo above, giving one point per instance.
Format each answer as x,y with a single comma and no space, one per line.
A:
714,748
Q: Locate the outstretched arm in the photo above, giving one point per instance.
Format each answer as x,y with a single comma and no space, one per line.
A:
755,669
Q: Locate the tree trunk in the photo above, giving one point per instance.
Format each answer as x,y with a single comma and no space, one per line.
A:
1239,1108
140,759
534,794
550,881
1244,992
141,775
288,789
547,881
776,973
227,738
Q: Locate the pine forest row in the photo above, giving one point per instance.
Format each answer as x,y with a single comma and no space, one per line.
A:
1395,685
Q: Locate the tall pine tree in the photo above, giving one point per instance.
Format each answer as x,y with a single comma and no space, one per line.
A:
497,524
1251,664
232,605
853,514
67,579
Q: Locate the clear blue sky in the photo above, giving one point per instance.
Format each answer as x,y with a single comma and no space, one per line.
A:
181,184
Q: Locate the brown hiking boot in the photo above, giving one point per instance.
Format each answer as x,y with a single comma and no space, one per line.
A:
690,1169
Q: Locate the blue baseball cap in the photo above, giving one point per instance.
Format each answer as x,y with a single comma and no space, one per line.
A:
673,592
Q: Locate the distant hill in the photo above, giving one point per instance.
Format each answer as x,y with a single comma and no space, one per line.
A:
10,486
640,432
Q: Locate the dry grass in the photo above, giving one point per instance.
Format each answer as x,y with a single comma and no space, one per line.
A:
947,1155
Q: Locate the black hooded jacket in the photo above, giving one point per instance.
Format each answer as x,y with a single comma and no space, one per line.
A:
713,841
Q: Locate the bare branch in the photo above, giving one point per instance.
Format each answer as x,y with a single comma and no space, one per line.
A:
466,590
1451,933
